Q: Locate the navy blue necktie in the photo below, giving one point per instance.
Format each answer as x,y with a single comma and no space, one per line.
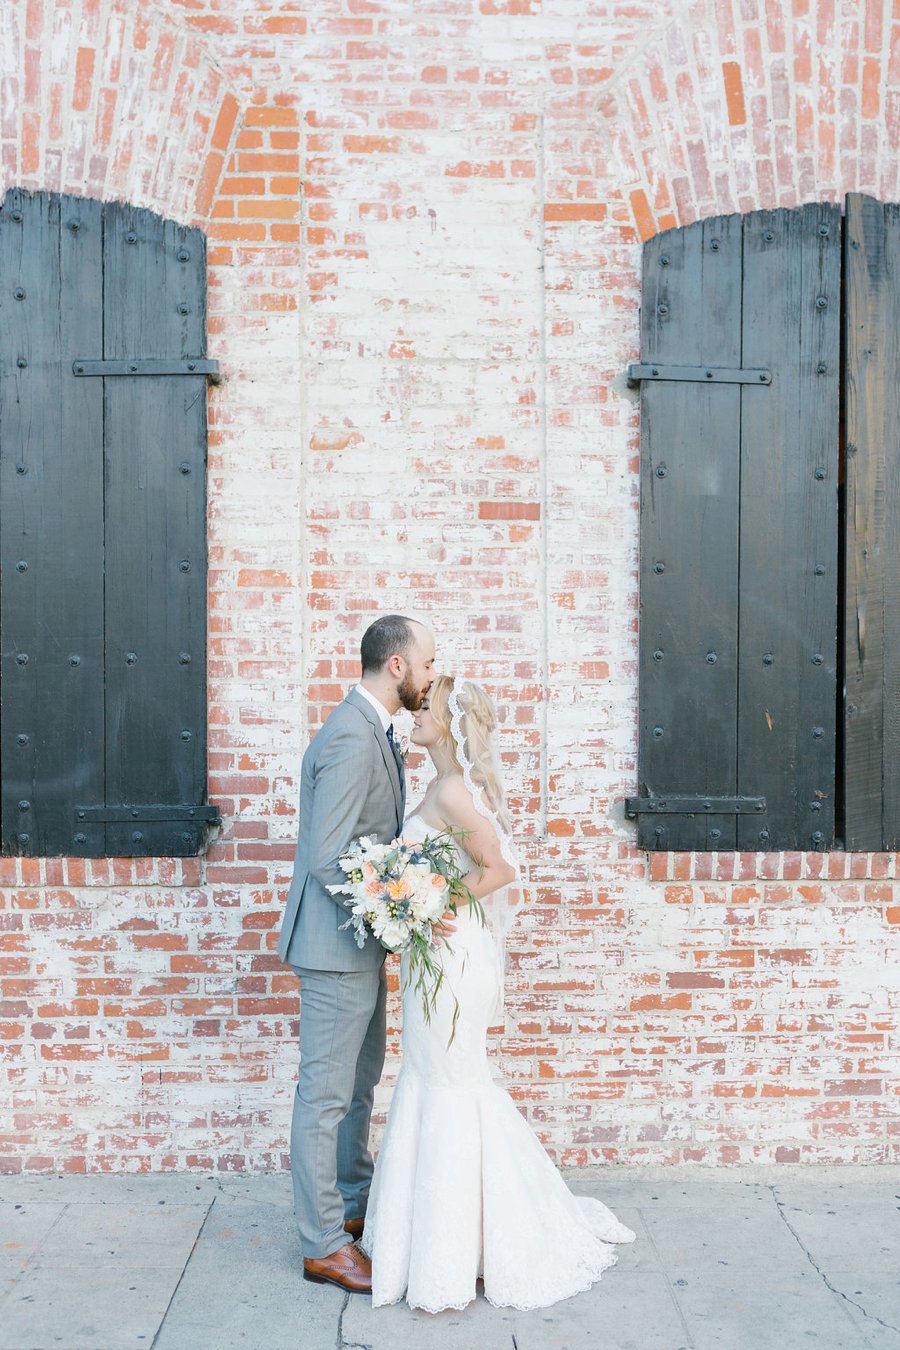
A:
390,734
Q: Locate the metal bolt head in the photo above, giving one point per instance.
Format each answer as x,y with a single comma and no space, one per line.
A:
80,838
183,255
130,658
658,654
820,474
137,836
21,362
184,658
714,245
19,293
664,260
23,838
657,733
24,805
183,308
819,569
821,368
821,302
824,231
74,226
815,806
131,237
662,309
21,565
768,235
711,658
22,738
661,470
186,736
659,567
21,658
74,659
184,467
818,733
817,658
16,216
768,658
184,565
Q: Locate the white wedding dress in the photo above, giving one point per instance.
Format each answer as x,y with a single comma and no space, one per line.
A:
462,1187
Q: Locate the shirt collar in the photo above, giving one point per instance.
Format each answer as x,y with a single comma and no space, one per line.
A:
382,711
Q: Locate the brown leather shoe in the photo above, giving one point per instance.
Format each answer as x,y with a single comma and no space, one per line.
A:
355,1228
347,1268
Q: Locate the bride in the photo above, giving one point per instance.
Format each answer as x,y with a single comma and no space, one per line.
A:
462,1189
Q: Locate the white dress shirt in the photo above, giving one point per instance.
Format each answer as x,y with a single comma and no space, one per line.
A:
379,707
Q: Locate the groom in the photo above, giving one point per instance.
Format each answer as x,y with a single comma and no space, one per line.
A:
351,784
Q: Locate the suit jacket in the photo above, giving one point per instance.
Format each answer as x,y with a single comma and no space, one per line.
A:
351,783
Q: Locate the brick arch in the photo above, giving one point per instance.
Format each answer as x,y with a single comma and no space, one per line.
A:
716,117
115,102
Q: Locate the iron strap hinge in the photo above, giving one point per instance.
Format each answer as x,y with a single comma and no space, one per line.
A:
125,814
693,806
698,374
187,365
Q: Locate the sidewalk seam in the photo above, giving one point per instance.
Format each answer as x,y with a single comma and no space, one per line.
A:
162,1323
779,1204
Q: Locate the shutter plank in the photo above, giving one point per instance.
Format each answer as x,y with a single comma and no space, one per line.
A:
689,527
789,549
154,306
871,634
51,549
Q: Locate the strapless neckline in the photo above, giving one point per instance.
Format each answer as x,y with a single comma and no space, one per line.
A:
466,861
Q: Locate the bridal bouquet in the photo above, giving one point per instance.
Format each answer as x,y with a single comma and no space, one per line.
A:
398,892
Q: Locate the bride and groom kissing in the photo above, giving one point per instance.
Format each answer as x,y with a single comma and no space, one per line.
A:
462,1189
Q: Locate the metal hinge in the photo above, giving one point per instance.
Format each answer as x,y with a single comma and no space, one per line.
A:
693,806
698,374
151,366
125,814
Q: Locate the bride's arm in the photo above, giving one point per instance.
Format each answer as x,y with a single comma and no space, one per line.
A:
480,840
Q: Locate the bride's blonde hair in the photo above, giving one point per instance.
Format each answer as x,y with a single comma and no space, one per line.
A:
479,726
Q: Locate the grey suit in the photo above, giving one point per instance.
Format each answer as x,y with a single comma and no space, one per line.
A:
351,783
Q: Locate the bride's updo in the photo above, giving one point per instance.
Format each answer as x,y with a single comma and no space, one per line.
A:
479,722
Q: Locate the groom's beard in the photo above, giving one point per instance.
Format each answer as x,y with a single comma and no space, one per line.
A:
409,694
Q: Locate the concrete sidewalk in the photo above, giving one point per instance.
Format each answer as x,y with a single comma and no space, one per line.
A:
725,1260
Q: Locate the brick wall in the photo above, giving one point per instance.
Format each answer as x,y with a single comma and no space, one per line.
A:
424,239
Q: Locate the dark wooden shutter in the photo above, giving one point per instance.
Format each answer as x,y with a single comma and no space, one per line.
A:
739,457
103,546
872,604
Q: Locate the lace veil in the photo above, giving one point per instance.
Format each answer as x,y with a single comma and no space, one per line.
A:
502,906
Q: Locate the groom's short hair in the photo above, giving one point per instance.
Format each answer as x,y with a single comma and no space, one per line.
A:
391,635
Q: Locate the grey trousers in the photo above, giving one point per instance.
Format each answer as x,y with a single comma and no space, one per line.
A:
342,1035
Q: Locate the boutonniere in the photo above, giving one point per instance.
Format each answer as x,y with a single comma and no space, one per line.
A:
402,742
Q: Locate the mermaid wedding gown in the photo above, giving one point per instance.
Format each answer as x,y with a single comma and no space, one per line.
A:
462,1187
